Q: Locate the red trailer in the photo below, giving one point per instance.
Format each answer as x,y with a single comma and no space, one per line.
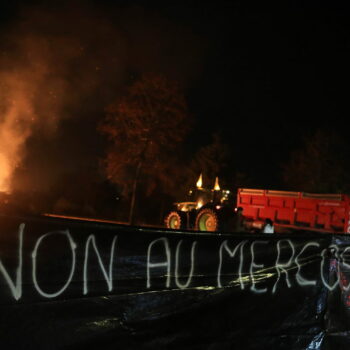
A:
296,210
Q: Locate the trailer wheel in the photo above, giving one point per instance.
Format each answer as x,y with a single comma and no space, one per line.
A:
207,220
176,220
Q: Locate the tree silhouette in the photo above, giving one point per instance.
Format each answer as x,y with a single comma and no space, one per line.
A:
211,160
145,127
321,166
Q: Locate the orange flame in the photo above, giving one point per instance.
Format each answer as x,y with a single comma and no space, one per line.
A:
216,186
199,182
15,125
5,171
200,203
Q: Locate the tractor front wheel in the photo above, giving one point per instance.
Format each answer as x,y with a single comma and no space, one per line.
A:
176,220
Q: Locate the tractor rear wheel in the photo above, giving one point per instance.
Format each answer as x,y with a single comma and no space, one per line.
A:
207,220
176,220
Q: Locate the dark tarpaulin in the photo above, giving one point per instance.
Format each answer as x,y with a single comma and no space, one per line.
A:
68,284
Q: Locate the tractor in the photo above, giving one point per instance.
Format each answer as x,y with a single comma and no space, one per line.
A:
206,210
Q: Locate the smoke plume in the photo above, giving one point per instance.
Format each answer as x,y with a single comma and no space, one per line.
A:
60,68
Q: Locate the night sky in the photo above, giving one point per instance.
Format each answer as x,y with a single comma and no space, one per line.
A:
264,74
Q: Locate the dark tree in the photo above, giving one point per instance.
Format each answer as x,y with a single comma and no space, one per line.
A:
212,160
321,166
145,127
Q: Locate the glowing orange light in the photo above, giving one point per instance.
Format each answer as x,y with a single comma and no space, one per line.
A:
5,171
200,204
199,182
216,187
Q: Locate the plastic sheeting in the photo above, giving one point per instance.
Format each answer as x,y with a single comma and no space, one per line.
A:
68,284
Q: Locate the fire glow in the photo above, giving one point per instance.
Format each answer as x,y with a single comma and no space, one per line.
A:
216,186
5,171
15,125
23,110
199,183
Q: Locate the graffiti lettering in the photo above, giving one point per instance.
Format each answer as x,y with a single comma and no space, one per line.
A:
177,259
16,288
231,253
108,277
34,257
254,266
300,279
166,263
283,267
259,265
333,250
